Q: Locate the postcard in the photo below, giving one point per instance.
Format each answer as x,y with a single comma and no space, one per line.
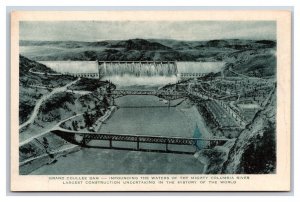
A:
151,100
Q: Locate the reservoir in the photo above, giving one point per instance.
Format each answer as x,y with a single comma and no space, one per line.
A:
149,116
136,115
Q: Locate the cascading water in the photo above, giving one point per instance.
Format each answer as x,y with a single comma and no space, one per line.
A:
138,69
152,73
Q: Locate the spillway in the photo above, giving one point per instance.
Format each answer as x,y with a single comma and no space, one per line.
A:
138,69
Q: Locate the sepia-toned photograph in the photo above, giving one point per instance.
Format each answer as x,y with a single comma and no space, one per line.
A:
115,97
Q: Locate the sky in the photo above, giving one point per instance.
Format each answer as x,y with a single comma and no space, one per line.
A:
123,30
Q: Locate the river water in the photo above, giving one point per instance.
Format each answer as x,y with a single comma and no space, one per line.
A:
150,116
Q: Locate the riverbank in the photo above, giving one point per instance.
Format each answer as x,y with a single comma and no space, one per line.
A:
43,150
38,145
213,159
196,119
46,148
80,124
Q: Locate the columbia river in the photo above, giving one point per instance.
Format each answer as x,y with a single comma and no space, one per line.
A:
137,115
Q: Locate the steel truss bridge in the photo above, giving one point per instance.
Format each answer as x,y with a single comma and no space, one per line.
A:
139,140
165,94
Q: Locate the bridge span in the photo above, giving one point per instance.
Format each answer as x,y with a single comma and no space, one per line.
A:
83,138
169,94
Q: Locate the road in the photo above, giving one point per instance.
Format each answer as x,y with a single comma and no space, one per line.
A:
55,151
246,76
56,126
80,92
43,99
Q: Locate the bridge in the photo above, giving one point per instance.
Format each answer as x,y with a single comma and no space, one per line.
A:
191,75
164,94
113,140
170,95
91,75
83,75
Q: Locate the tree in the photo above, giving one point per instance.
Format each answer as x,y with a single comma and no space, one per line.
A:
87,119
98,111
105,102
45,142
108,89
75,125
262,147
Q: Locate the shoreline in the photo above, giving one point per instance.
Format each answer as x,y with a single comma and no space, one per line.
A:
30,165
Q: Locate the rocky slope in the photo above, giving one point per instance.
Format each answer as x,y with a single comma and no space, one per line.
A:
253,152
255,149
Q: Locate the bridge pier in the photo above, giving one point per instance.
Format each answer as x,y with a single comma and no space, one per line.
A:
167,146
138,144
208,145
84,141
110,143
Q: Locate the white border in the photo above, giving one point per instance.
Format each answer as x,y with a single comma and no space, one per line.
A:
272,182
3,63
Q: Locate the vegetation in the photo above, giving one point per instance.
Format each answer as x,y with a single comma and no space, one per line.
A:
87,84
88,119
27,78
57,101
29,91
260,155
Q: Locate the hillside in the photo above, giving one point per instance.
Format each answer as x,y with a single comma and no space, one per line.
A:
29,94
257,141
27,78
138,44
25,65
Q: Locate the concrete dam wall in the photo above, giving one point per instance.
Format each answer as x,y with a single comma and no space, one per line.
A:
138,69
134,69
